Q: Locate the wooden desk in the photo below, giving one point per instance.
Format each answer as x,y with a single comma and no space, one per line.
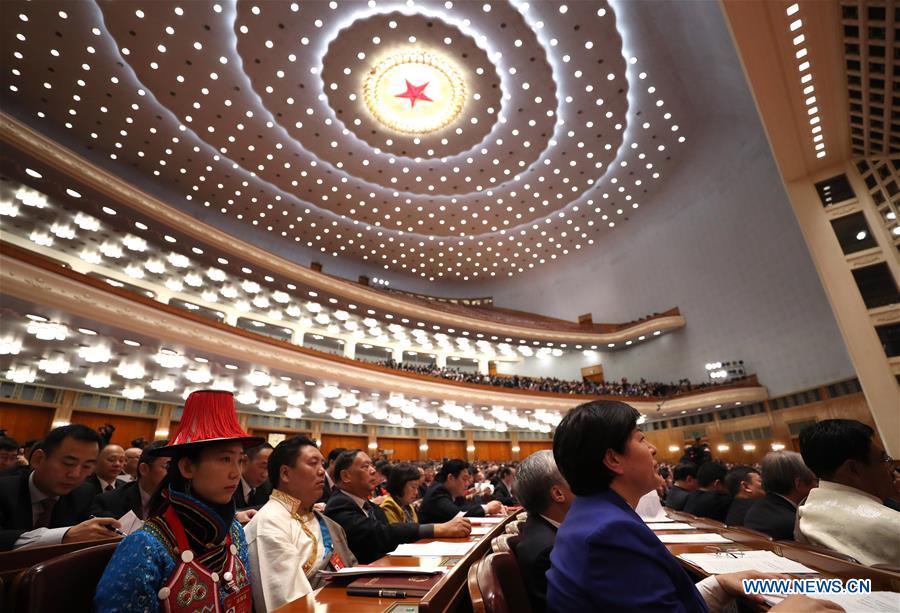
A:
447,595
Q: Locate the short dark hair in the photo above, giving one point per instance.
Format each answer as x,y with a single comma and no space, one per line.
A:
451,467
736,476
826,445
8,444
664,472
344,461
400,475
285,454
582,439
505,472
251,453
710,472
683,471
333,455
385,468
79,432
147,453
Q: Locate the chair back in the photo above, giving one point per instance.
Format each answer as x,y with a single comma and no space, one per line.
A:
63,584
825,551
495,585
505,543
513,527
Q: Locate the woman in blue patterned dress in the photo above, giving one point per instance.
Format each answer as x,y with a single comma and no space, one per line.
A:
191,553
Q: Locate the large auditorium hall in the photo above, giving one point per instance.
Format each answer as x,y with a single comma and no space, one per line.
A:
491,306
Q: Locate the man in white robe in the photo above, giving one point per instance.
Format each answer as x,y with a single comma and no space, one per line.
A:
289,542
846,512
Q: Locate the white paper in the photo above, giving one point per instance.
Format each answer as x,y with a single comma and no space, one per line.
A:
460,514
385,570
763,561
876,602
699,537
130,522
481,530
485,520
435,548
674,525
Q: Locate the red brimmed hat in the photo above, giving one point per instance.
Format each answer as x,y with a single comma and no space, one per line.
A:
209,417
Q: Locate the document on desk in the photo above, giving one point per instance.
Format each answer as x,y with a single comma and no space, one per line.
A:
485,520
874,602
130,522
699,537
481,530
763,561
674,525
434,548
353,571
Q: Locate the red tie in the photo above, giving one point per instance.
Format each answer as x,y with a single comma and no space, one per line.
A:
43,520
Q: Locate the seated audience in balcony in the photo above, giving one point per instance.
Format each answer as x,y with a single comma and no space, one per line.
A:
684,483
109,468
439,504
289,542
503,487
546,497
51,504
368,532
787,482
847,511
605,558
402,490
745,486
711,498
254,489
135,495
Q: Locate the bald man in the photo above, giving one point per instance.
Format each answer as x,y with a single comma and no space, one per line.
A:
132,458
109,467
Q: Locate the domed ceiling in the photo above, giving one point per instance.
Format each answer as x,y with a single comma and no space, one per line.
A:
447,140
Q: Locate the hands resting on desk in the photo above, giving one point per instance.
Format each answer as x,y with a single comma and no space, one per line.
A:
731,583
458,527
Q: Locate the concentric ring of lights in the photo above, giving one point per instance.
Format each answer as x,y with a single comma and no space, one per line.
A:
415,66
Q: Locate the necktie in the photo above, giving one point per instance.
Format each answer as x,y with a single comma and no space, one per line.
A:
108,488
43,520
250,495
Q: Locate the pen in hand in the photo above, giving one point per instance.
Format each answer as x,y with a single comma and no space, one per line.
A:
110,528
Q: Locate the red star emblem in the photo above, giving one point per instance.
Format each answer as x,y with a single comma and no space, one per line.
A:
414,93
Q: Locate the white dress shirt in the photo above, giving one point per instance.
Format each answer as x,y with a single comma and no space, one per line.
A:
39,537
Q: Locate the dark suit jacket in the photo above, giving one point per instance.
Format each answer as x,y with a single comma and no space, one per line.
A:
257,500
327,490
370,536
118,502
15,509
773,515
677,498
738,510
438,506
536,540
605,558
713,505
502,493
97,488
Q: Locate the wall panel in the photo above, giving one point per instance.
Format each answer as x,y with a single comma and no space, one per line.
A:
127,428
23,422
493,451
347,441
404,448
526,448
440,448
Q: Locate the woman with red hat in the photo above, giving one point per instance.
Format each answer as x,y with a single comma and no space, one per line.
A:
191,554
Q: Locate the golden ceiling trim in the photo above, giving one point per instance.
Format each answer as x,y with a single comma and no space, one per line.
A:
24,138
30,282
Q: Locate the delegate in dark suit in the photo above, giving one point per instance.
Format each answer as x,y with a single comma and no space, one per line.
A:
369,534
16,512
257,498
118,502
738,510
711,504
677,498
97,487
773,515
502,493
536,539
438,506
606,559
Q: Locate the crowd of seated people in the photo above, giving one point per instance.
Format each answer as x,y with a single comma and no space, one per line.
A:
641,388
261,524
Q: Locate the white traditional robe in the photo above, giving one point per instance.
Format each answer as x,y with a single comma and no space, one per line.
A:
278,548
851,521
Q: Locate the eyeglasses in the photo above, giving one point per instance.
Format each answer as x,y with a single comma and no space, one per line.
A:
724,553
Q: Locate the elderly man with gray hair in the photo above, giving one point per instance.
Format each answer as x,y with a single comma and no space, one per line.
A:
787,481
546,496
